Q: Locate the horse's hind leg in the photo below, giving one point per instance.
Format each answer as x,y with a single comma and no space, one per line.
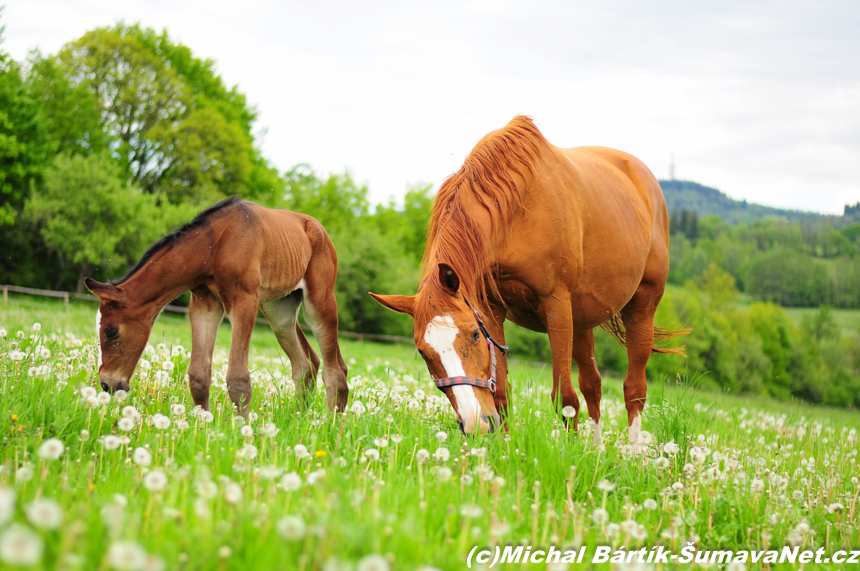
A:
638,318
205,314
282,315
589,379
321,311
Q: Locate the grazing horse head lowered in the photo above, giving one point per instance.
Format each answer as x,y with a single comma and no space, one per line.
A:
460,353
234,257
559,241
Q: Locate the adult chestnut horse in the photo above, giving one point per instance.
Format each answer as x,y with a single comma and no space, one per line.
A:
234,257
556,240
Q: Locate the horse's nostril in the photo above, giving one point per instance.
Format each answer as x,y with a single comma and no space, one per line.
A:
105,387
462,427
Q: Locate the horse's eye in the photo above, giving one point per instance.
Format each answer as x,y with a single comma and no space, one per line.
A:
475,337
111,333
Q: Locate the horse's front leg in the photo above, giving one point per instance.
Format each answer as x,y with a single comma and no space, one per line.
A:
205,313
556,313
242,312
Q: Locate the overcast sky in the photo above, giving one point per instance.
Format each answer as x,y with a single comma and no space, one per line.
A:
759,99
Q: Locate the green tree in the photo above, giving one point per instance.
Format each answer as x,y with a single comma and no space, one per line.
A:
93,219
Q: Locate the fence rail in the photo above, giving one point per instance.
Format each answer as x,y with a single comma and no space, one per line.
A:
179,309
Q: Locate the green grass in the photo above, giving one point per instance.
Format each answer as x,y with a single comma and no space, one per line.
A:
538,485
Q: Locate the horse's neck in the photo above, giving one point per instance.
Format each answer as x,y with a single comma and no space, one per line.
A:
167,274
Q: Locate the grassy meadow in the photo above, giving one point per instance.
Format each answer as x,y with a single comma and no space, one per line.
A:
143,481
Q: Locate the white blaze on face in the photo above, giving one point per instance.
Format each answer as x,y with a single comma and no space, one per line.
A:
440,334
99,335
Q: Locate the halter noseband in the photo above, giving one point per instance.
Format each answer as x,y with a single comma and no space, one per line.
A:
474,381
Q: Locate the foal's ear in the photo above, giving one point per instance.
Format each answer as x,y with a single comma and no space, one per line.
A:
398,303
105,292
449,279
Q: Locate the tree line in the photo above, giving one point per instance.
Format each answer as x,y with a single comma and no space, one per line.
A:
124,134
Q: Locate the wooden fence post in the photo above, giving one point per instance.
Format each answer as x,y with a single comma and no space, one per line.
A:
5,295
66,300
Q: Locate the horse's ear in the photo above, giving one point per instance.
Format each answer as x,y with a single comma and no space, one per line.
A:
449,279
105,292
399,303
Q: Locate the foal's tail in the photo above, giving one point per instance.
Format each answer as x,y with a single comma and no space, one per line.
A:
615,327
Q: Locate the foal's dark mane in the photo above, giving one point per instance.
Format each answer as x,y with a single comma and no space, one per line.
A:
454,237
170,240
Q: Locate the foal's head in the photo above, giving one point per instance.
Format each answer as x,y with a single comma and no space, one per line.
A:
123,333
449,339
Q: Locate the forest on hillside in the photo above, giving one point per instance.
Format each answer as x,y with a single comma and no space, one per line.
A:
124,134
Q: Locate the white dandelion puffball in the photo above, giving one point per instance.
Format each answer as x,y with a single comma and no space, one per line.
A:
37,327
396,438
144,365
671,448
649,504
207,489
233,493
605,486
600,516
422,455
207,416
111,442
380,442
301,451
442,454
645,437
373,563
316,476
20,546
441,436
372,453
270,429
130,411
141,457
45,513
178,409
103,399
125,424
291,482
568,412
120,395
160,422
7,504
51,449
127,556
155,481
168,365
247,431
291,527
3,332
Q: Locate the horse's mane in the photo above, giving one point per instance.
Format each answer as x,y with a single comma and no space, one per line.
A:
454,237
170,240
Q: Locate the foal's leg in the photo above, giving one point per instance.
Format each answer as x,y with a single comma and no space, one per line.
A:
556,313
638,318
205,313
242,311
282,315
321,311
589,378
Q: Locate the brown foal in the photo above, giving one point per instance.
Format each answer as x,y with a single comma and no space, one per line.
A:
233,257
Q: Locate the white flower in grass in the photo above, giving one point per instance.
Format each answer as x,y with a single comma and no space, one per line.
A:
605,486
145,365
17,355
301,451
87,392
154,562
568,412
167,366
373,563
120,396
441,436
291,482
645,437
396,438
757,485
671,448
224,551
381,442
43,352
316,476
649,504
126,556
270,429
471,511
23,474
207,489
206,416
422,456
37,327
21,546
3,332
442,454
372,453
155,481
177,409
291,527
162,378
600,516
111,442
125,424
103,399
7,504
161,422
247,431
358,408
835,507
51,449
270,472
736,566
141,456
233,493
444,473
45,513
85,435
177,351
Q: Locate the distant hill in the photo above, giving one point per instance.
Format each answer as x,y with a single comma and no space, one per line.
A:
704,200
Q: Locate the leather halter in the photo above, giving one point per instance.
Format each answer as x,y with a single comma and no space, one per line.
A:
475,381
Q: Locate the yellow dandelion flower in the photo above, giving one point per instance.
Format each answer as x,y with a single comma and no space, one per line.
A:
320,453
14,417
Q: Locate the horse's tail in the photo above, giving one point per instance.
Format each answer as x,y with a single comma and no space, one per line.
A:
615,327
